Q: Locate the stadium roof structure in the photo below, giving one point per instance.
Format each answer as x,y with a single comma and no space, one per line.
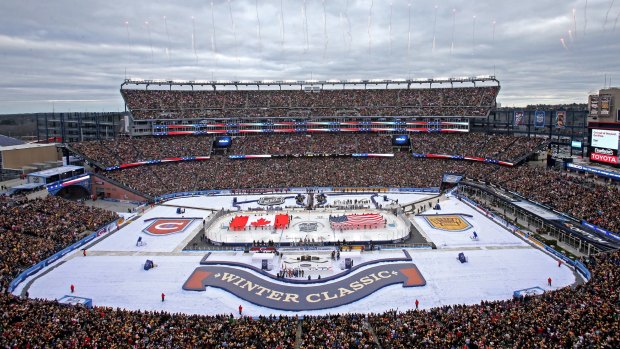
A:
214,83
6,141
55,171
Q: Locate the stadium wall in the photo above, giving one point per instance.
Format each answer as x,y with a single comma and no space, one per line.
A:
102,186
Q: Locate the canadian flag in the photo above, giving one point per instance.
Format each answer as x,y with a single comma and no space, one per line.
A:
260,222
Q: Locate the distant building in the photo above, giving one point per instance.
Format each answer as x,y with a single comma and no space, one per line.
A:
77,127
603,107
17,160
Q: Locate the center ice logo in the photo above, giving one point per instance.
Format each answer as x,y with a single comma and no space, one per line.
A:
449,223
167,226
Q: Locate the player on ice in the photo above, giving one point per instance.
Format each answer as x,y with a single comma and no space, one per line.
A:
475,236
140,243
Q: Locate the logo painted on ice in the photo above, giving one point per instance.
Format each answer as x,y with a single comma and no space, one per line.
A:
167,226
271,200
308,227
448,223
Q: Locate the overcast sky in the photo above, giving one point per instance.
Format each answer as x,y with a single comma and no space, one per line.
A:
72,55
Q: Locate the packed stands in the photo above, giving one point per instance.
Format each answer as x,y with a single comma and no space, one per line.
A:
585,316
31,230
317,143
499,147
579,196
130,150
402,170
175,104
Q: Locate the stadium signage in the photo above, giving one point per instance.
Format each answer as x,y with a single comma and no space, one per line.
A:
263,292
582,232
271,200
604,151
610,159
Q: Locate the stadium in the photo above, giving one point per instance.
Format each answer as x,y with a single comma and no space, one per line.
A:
393,218
320,213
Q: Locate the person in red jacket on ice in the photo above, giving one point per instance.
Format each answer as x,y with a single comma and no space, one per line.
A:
163,296
72,288
240,310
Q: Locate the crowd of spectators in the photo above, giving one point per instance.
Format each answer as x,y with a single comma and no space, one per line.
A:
583,316
580,196
314,143
498,147
586,316
32,230
176,104
336,331
402,170
128,150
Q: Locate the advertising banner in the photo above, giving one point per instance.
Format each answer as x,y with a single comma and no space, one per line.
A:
593,105
604,105
560,119
519,118
539,118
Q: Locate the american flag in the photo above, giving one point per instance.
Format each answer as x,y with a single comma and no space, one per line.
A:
355,220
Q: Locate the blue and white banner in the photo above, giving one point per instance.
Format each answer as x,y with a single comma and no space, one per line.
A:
597,171
600,230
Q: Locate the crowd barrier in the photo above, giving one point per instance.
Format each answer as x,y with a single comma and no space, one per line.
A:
105,229
513,228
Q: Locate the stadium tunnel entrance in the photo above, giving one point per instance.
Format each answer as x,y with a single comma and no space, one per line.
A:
74,192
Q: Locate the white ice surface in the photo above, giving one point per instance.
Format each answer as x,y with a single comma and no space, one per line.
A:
120,281
489,232
499,264
125,239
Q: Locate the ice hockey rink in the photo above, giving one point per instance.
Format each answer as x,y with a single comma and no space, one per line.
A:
112,273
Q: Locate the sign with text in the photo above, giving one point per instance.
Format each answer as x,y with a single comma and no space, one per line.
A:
264,292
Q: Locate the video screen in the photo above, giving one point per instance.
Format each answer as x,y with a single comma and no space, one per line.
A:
604,139
400,140
604,146
223,142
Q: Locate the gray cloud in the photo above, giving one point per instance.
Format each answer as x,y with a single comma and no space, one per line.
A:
75,54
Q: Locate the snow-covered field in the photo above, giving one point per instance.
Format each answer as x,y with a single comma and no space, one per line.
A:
112,274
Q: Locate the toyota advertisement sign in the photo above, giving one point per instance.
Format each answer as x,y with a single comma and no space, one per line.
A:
604,146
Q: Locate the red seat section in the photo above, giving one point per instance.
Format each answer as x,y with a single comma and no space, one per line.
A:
282,221
239,222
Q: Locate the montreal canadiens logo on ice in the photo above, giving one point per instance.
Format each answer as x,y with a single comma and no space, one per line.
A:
165,226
